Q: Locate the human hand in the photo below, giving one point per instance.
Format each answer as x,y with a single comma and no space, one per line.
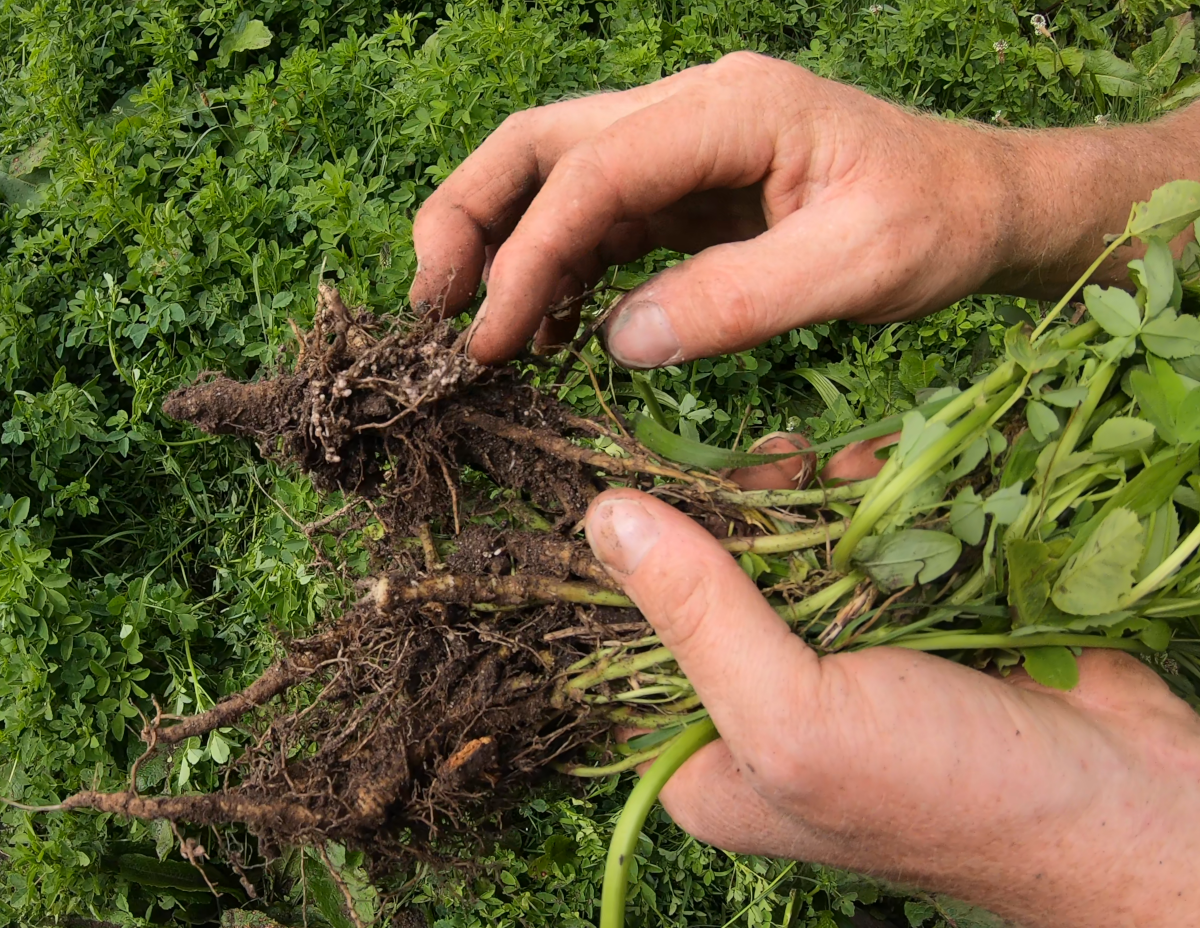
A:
803,200
1049,808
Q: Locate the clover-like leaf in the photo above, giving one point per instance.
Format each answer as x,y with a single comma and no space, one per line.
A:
1115,310
1096,577
1170,209
1170,335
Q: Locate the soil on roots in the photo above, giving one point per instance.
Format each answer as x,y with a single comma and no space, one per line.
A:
434,702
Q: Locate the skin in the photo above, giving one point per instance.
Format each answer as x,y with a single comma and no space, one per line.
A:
802,200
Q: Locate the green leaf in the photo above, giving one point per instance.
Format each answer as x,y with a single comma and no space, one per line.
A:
246,35
1042,421
1005,504
967,520
917,369
1030,566
324,892
1156,635
1172,336
1162,535
1185,91
917,435
19,511
1055,667
907,557
1159,392
1114,77
1101,572
1170,209
1170,46
1187,419
1073,59
1122,433
1158,276
970,458
16,192
1065,399
1115,310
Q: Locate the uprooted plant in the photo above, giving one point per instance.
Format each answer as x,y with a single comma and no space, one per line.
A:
1052,505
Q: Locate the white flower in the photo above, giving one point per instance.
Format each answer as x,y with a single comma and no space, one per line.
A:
875,9
1000,48
1038,21
1102,120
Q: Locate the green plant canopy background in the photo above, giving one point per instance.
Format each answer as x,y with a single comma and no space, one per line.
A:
174,177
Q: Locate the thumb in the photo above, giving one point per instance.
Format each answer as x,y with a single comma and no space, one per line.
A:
816,265
746,665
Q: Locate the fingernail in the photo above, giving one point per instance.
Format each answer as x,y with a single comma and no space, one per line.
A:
642,336
621,533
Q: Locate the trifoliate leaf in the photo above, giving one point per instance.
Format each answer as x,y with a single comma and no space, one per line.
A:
967,520
1159,392
1005,505
1170,210
1030,567
1042,421
1115,310
1122,433
904,558
1101,572
1019,348
1169,335
1055,667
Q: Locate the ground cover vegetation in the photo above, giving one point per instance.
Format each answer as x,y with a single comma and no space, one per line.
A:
176,180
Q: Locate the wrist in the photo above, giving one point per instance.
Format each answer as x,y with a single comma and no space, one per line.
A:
1066,189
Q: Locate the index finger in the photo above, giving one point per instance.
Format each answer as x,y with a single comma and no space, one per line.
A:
636,167
482,200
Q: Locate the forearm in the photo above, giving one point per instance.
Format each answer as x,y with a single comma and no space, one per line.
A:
1069,188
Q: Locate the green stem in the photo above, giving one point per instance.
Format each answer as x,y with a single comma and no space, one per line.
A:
959,641
625,763
645,390
885,496
790,541
1058,307
820,600
633,817
766,499
1163,572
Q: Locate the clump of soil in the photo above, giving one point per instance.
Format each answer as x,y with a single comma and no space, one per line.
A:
436,700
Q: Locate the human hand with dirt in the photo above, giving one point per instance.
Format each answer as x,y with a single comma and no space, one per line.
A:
802,200
1052,808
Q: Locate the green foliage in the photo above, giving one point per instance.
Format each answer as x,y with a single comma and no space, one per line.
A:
177,176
